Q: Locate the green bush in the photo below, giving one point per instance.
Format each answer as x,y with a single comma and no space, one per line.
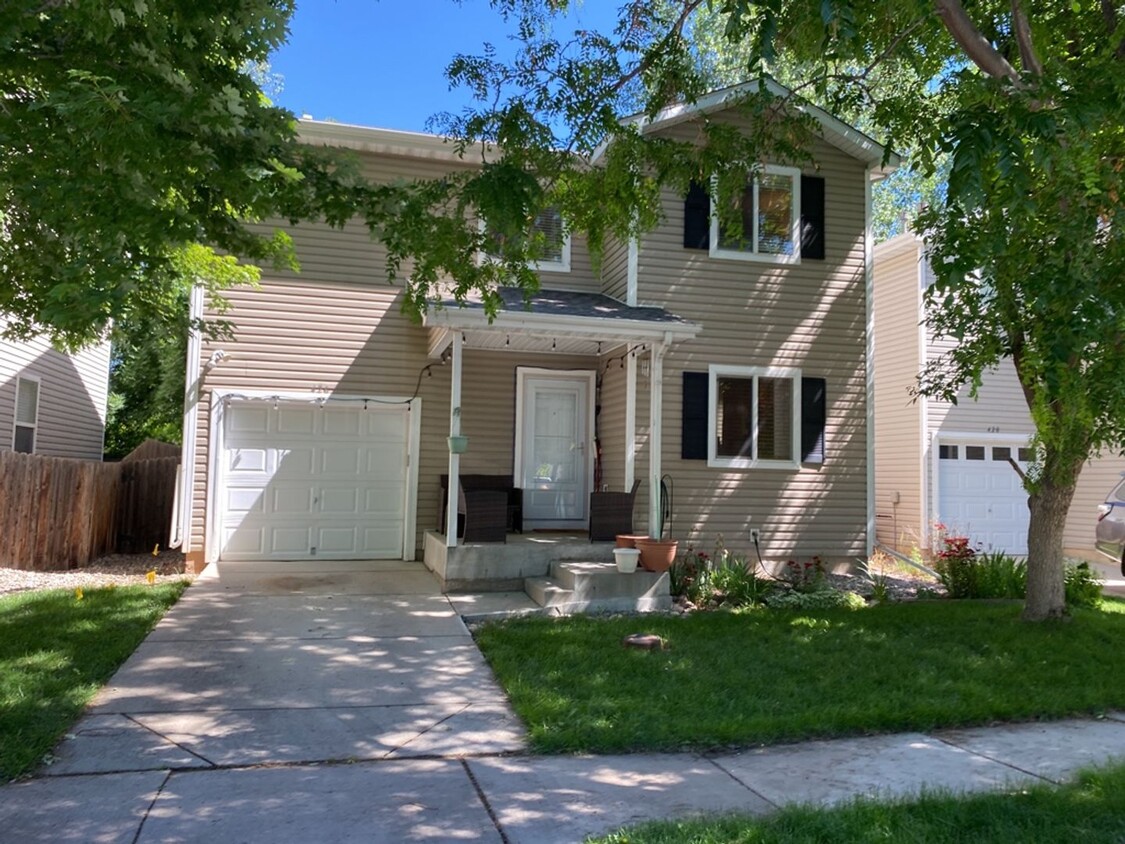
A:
999,576
1083,586
735,583
822,599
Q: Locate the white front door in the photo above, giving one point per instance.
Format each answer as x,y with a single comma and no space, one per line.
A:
554,451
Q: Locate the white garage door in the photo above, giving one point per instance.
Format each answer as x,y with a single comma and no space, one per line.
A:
304,482
981,496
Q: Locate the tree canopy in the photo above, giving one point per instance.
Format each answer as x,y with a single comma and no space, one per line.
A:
129,131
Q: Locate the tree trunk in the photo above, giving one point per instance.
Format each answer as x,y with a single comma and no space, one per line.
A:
1049,505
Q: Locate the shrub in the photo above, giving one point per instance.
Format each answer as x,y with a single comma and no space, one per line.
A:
954,565
1082,585
804,577
821,599
735,583
999,576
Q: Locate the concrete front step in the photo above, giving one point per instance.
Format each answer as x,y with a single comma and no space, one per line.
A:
585,586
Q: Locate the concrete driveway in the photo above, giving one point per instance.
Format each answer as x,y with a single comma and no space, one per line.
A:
350,704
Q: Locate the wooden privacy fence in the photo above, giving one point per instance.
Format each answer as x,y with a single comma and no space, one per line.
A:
59,513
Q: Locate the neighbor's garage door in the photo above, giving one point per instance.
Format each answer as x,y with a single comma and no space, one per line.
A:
304,482
980,495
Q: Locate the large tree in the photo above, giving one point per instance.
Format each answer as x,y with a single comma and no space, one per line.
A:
1027,100
128,132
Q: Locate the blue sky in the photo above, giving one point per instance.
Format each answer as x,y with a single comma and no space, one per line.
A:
382,62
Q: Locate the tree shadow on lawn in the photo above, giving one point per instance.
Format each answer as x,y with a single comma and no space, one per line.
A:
766,676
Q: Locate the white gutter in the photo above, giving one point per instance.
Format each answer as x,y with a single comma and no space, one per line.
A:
593,327
869,367
185,488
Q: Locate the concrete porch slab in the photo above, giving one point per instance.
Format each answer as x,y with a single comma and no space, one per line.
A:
567,798
482,606
100,744
1053,750
827,772
368,802
339,734
107,808
298,673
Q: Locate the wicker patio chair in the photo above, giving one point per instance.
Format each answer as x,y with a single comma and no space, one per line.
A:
611,513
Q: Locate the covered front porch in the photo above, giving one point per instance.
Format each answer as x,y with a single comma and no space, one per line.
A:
561,344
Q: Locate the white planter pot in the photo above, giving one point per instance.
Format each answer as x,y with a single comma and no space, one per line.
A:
626,559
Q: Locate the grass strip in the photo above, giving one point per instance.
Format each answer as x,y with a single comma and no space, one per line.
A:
1090,810
746,678
57,648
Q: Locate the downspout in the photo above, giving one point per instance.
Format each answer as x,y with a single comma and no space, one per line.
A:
869,366
185,477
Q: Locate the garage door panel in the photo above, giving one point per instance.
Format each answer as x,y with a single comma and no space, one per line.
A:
292,420
245,501
341,423
310,482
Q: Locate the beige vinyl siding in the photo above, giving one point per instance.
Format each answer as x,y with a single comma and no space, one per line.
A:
811,316
72,396
898,419
615,270
611,419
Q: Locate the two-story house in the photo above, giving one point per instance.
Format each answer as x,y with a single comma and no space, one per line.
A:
732,369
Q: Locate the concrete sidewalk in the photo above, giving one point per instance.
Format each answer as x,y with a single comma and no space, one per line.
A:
350,703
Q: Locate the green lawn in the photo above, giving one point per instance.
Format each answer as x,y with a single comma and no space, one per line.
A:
1092,811
56,650
736,679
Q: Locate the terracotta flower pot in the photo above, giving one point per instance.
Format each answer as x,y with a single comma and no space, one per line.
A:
657,554
628,540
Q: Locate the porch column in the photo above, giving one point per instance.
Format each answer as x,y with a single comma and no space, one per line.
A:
655,434
630,421
454,431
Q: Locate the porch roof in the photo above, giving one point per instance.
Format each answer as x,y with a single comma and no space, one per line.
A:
561,321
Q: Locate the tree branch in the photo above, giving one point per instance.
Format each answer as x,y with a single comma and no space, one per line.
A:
979,51
1022,28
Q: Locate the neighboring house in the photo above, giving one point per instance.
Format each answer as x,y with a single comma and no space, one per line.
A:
52,403
940,463
736,371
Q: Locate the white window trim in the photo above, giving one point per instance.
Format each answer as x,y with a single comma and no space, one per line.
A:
754,372
560,266
34,426
716,251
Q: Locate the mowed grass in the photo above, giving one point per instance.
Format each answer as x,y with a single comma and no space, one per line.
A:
56,650
737,679
1090,810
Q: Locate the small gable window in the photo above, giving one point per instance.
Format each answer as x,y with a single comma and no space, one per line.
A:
768,227
27,415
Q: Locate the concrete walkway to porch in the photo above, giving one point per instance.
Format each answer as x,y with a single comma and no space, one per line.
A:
350,703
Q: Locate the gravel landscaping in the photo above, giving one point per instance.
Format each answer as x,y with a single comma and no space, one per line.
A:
118,569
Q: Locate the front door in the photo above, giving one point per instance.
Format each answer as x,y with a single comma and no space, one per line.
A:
554,451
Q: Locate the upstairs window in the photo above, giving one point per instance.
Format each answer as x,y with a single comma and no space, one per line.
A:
27,415
770,212
552,241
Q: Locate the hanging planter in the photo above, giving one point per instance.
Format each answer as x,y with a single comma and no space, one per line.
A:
458,444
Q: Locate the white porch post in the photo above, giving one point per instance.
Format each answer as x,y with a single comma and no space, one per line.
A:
655,434
630,421
454,430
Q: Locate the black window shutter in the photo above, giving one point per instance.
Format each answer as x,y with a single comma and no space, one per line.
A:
697,218
694,416
814,407
812,217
